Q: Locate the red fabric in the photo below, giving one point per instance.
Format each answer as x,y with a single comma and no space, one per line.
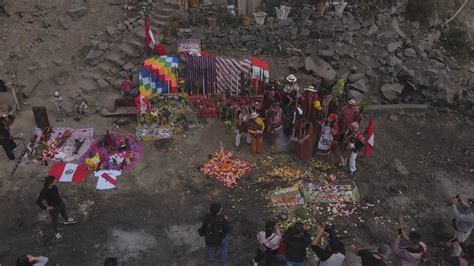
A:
282,248
160,49
304,150
147,32
79,174
142,100
309,111
260,89
349,114
126,85
109,179
370,138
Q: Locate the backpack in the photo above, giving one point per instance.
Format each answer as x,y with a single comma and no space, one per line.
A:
213,231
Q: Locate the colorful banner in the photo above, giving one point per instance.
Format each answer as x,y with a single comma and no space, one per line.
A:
159,75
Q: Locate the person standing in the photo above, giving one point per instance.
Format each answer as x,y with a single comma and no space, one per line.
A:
55,204
334,254
269,242
352,141
462,222
215,230
274,120
292,86
255,127
327,135
377,258
270,97
6,140
29,260
311,105
409,252
296,239
304,131
350,113
59,104
241,126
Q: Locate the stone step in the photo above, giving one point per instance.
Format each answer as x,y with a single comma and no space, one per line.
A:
161,17
160,23
107,68
139,45
164,11
128,50
115,58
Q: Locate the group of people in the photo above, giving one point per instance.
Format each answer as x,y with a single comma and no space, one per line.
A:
290,246
311,117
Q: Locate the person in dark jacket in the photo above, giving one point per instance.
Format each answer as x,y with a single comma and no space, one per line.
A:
215,230
296,239
6,140
55,204
334,254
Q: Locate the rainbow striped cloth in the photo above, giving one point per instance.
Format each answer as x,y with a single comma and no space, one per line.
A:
159,75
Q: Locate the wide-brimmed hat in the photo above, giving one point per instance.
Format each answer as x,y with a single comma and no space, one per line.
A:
291,78
311,88
352,102
253,115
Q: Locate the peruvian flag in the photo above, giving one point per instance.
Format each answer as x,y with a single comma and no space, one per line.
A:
260,74
369,133
107,178
150,39
69,172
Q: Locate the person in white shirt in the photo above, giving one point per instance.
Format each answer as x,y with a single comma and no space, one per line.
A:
269,242
27,260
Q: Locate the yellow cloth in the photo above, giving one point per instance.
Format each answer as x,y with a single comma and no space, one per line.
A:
317,105
260,122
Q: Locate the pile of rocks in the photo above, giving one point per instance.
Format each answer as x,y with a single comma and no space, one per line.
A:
384,57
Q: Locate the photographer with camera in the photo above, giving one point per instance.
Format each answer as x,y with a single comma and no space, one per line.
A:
408,250
296,239
335,253
462,222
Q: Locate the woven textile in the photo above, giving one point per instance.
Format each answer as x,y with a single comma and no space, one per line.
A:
229,70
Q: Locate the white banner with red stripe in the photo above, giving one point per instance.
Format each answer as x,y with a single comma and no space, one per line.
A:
107,179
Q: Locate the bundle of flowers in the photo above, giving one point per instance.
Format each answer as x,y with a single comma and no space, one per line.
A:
226,168
288,173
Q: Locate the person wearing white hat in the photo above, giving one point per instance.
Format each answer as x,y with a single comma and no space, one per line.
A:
58,103
351,142
311,104
255,127
292,85
349,113
241,123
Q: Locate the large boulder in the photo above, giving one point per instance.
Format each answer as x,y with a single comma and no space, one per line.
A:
392,91
318,67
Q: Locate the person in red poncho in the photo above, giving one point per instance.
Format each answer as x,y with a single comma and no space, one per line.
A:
304,131
309,102
349,113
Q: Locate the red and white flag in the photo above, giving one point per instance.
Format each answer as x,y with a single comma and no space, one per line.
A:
260,74
150,39
107,178
69,172
369,143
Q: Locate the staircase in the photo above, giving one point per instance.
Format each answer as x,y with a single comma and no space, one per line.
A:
126,55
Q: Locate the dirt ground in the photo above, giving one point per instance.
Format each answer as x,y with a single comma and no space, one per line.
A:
153,215
151,219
